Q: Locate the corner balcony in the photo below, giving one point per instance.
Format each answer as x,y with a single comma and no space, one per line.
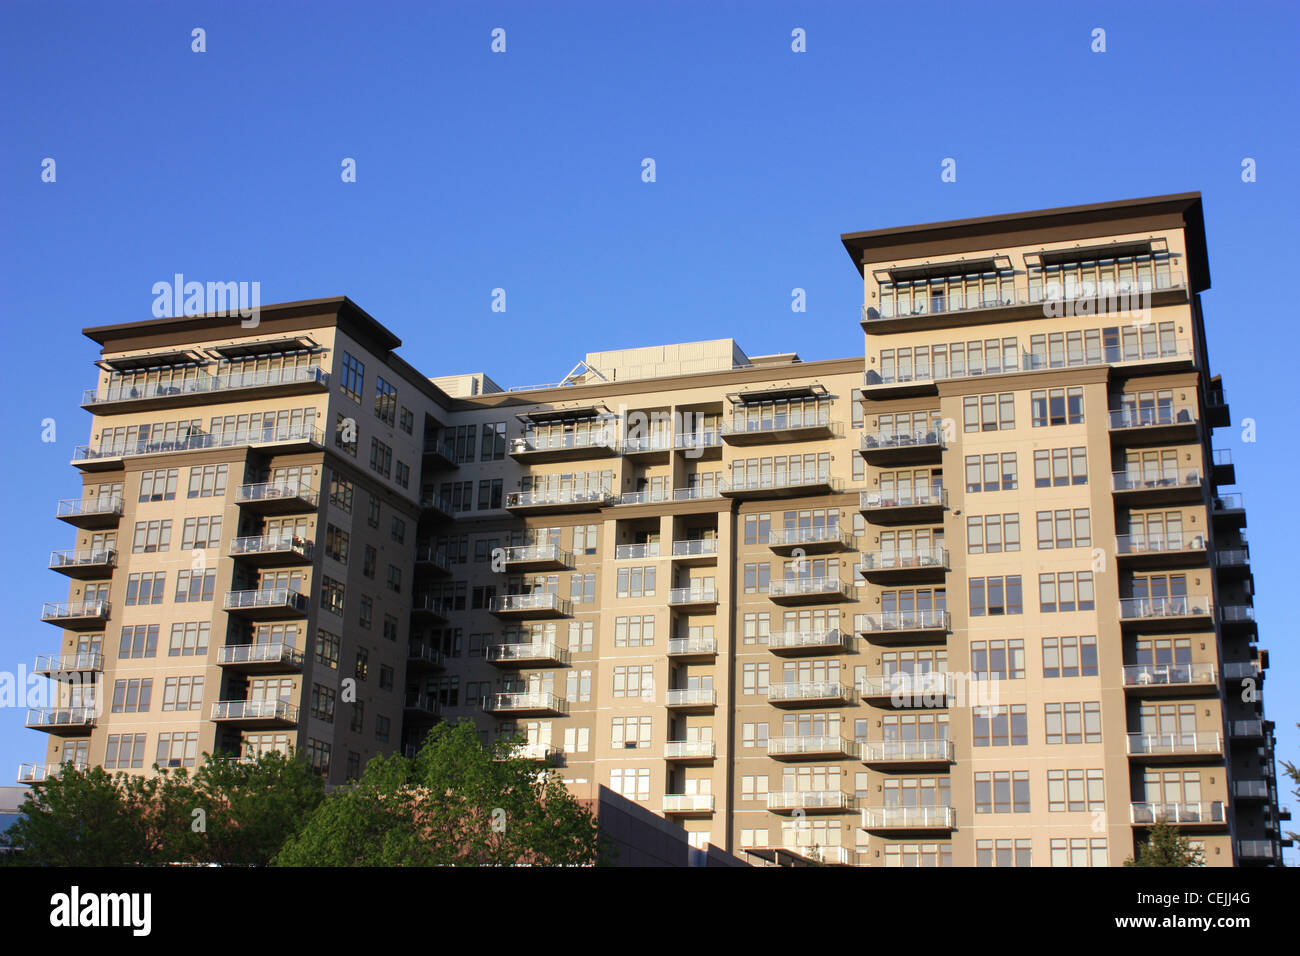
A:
1160,551
1176,747
554,502
85,564
266,604
809,801
429,558
810,540
255,713
424,706
903,448
791,643
1237,618
277,497
908,754
886,567
275,440
692,598
535,654
903,507
1242,670
424,657
903,689
204,389
537,557
690,751
695,553
1196,815
1165,423
692,648
76,615
779,486
269,658
688,804
887,819
809,748
1222,470
527,704
1166,613
30,773
692,699
90,514
1138,489
1258,851
271,550
72,667
537,449
903,627
1170,680
824,590
769,431
1247,731
1228,511
1232,562
542,604
1256,789
62,721
809,693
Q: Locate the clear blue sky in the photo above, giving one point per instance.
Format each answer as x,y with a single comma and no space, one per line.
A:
523,171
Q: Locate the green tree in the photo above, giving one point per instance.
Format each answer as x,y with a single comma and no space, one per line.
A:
1165,846
1293,771
457,803
81,818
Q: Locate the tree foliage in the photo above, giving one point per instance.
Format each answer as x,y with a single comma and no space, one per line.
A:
457,803
1165,846
1293,771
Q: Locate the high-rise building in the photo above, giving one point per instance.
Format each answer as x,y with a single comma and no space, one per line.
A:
975,597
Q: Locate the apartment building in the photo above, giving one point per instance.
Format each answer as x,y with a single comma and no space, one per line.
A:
973,597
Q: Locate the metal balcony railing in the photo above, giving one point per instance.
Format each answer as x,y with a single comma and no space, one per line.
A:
1152,608
923,498
903,818
267,598
1148,675
269,653
255,710
1181,813
1155,480
251,545
695,548
683,646
203,383
824,639
87,507
907,751
1191,742
196,442
83,558
538,601
80,662
897,561
274,491
693,595
625,552
688,749
809,690
1158,543
925,620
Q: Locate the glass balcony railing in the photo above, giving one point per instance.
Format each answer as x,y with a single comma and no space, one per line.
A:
539,499
688,803
798,587
286,598
43,718
532,651
692,697
40,772
1246,728
923,372
907,818
537,553
74,610
746,425
200,384
1190,742
885,441
1257,789
809,800
566,442
80,662
695,548
277,710
924,620
1237,614
905,684
1177,813
69,508
1155,480
527,701
1232,558
807,745
687,646
827,639
1151,349
752,483
920,498
698,492
1231,502
1153,416
693,595
784,537
814,690
83,558
646,443
271,544
1153,675
196,442
688,749
1145,609
1158,543
710,438
275,491
907,751
627,552
268,653
521,603
898,561
1258,850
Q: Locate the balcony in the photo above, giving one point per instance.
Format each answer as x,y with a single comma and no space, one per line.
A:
76,615
1159,680
699,444
1228,511
424,706
792,643
279,440
30,773
70,667
636,552
203,388
1160,551
539,703
537,557
269,603
271,550
536,449
277,497
647,447
903,507
1157,487
1166,613
642,497
1222,470
692,699
438,455
550,502
884,819
1163,423
1175,747
1259,851
768,431
809,748
710,492
893,627
1232,561
892,566
692,648
104,511
255,713
1247,731
790,591
424,657
84,564
431,608
532,752
535,654
541,604
1237,617
693,598
903,448
779,486
690,751
910,754
921,377
1257,789
62,721
429,558
807,693
810,540
437,507
903,689
696,552
688,804
810,801
1242,670
276,657
1179,814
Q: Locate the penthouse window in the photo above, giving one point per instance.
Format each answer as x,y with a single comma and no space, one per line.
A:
354,377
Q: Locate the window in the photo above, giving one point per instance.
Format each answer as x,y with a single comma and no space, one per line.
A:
331,595
998,660
1079,851
207,481
132,696
381,458
336,543
493,445
398,531
318,752
158,485
489,494
406,421
1004,852
1057,467
354,376
178,749
322,702
327,649
124,752
403,474
369,559
151,537
390,626
1070,656
345,434
1073,723
341,493
637,631
989,412
1056,406
992,534
1000,726
995,472
636,582
138,642
1002,791
385,401
366,612
195,586
201,533
189,639
1064,529
145,588
995,595
394,579
1066,591
1075,791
